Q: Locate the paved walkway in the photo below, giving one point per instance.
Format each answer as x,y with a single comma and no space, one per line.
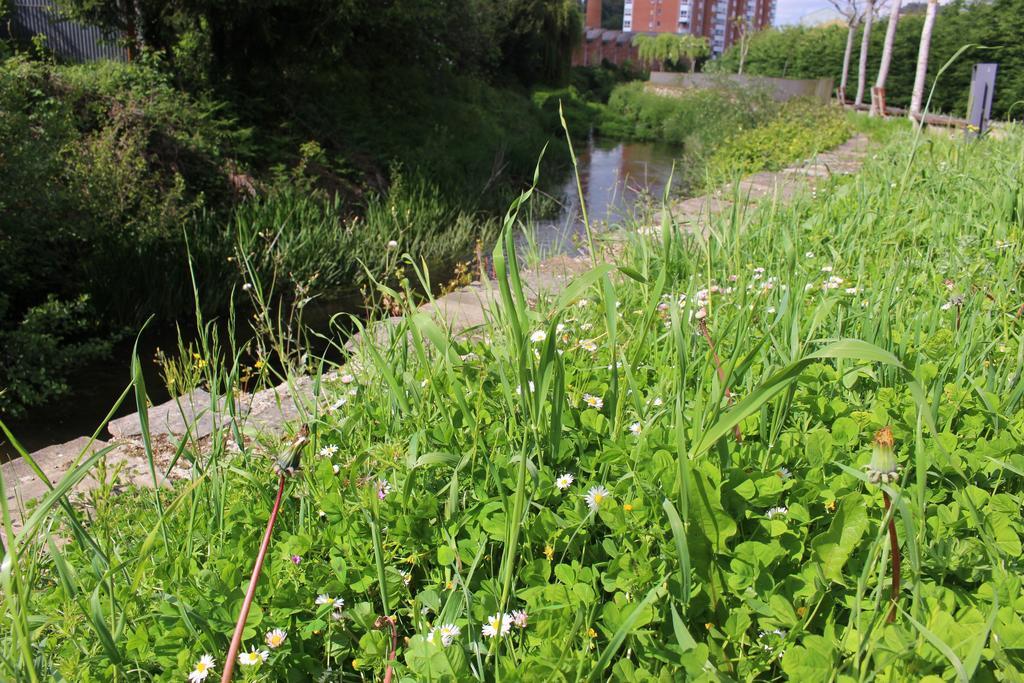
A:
195,416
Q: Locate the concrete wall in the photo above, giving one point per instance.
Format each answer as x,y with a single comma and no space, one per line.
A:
782,89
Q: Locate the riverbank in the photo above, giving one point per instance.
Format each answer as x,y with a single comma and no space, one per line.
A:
189,421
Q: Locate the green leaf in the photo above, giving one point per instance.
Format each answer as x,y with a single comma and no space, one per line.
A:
707,513
845,431
833,548
812,660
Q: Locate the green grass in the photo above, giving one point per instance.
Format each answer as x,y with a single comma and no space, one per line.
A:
739,539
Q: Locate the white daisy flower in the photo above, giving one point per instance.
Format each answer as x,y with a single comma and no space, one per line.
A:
275,638
538,336
446,632
588,345
784,473
203,668
776,512
595,496
519,618
322,599
658,402
592,401
564,481
328,451
636,428
253,657
347,378
497,625
338,603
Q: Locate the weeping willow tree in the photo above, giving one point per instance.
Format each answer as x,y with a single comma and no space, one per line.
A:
672,48
538,37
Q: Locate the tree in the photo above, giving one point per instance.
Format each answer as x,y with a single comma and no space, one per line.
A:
744,28
878,92
922,58
671,48
862,71
849,10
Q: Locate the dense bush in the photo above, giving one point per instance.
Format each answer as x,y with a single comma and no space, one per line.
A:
596,83
695,118
101,169
996,29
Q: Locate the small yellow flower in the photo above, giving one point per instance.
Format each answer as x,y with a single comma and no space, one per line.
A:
449,585
259,364
830,506
627,507
549,552
591,633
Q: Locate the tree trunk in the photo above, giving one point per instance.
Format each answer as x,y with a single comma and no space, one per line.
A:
846,58
878,94
922,58
862,72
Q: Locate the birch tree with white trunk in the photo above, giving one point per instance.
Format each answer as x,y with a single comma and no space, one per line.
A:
851,13
922,58
870,7
878,93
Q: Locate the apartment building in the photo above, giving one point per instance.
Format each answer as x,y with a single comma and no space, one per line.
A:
722,22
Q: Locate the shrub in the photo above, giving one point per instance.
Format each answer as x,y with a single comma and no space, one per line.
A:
102,167
42,349
696,119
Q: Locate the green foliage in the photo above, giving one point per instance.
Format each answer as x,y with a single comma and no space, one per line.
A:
996,27
672,49
596,83
696,118
101,170
428,492
308,244
799,129
245,45
42,349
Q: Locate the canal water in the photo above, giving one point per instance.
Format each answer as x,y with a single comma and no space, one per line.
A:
619,179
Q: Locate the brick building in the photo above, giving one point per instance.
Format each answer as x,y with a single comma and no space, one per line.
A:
722,22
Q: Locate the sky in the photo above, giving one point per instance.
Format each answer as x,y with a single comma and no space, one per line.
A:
791,11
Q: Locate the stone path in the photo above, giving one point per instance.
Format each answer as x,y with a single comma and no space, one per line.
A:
195,416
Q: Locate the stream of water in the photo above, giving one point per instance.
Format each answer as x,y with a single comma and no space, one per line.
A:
617,178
